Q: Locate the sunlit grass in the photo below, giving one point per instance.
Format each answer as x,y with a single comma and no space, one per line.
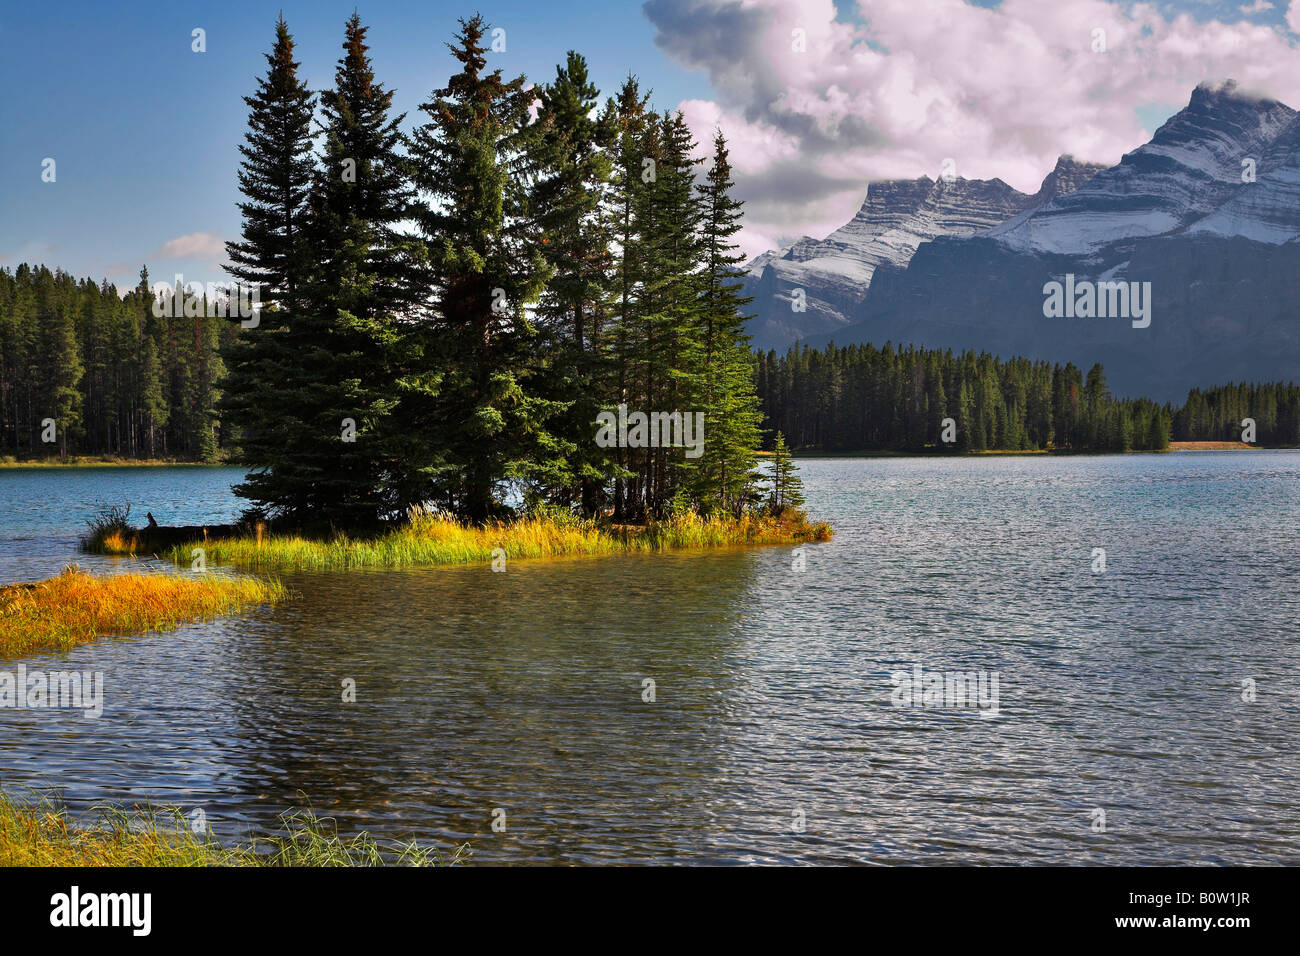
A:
40,832
76,607
431,539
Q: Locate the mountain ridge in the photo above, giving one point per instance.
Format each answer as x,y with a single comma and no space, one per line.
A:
1220,250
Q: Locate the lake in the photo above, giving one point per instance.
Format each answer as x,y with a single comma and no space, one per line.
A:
773,735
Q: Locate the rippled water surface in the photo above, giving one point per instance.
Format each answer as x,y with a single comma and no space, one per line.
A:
523,691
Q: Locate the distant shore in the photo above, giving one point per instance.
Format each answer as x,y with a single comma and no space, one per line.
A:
1039,452
77,461
96,461
1211,446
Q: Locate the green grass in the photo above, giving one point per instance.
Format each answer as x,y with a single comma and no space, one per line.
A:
433,539
40,832
76,608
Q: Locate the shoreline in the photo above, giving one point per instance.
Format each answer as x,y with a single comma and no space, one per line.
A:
1050,453
96,462
38,830
429,540
75,607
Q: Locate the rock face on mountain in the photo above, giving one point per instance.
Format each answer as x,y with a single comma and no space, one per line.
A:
1191,167
1220,248
896,217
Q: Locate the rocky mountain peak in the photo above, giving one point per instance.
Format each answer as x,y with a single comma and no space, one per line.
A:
1067,176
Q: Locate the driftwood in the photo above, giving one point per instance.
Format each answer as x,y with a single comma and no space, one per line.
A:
159,538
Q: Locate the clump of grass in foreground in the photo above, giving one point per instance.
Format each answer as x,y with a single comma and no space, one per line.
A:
40,833
76,607
430,539
110,532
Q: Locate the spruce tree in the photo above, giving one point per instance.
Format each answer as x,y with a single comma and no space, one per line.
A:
787,486
268,393
568,152
664,353
631,121
484,266
275,177
725,474
361,283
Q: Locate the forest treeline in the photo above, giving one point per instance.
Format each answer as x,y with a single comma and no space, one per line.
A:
125,383
112,378
864,398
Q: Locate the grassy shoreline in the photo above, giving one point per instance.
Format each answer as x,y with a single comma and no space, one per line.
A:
40,832
77,608
431,539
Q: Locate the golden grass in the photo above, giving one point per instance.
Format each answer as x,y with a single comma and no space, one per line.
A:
116,543
1211,446
432,539
40,833
76,607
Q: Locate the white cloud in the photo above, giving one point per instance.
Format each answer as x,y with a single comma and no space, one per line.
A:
1003,91
195,245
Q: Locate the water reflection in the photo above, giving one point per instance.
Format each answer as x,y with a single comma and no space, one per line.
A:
523,691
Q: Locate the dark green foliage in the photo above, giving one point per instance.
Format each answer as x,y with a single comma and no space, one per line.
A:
723,477
570,170
273,387
786,487
116,380
862,398
275,179
1216,414
488,421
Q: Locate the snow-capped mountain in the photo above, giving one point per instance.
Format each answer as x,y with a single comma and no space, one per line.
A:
1207,212
896,217
1191,167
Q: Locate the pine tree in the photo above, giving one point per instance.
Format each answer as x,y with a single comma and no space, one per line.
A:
568,150
63,371
362,282
269,392
483,266
724,476
787,486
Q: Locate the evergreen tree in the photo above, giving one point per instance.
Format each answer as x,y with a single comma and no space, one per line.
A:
362,281
727,397
275,178
568,147
664,352
483,266
787,486
631,122
269,392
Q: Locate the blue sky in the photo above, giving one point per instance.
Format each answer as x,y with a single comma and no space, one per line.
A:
145,132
